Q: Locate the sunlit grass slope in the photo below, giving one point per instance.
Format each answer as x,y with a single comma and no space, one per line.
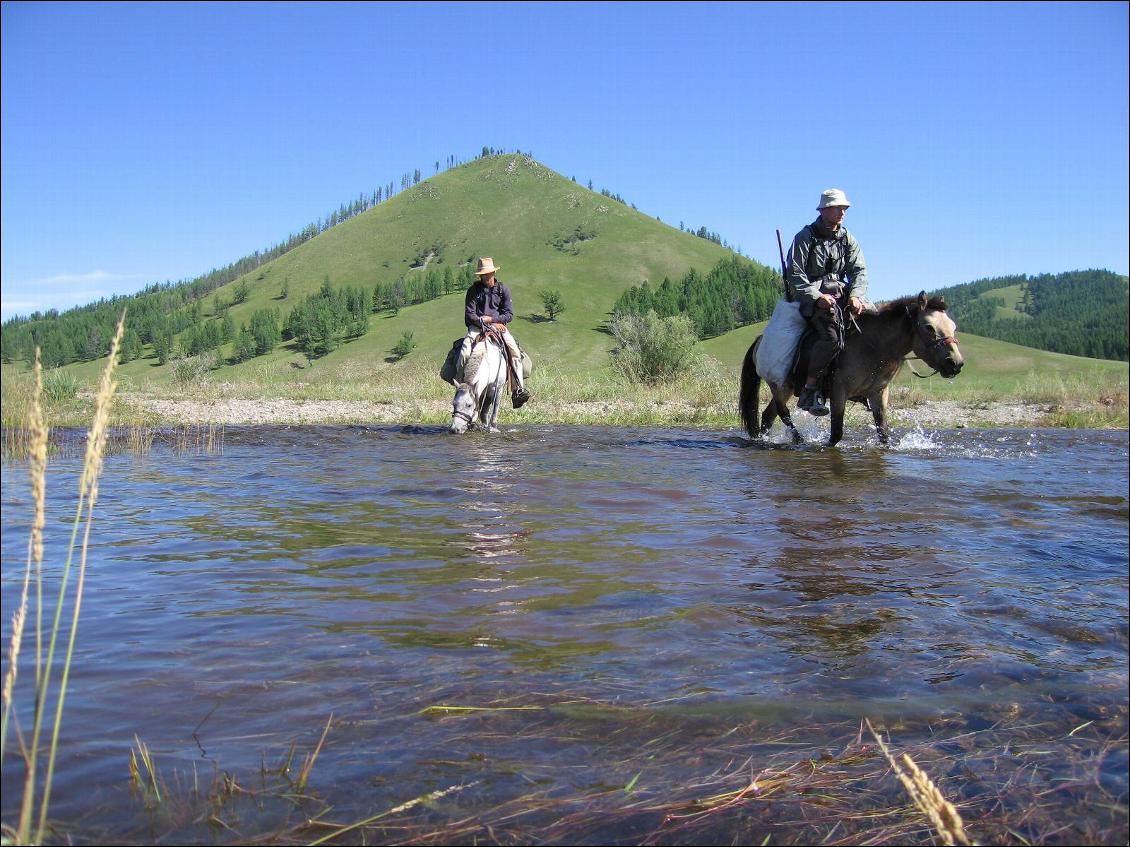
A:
509,207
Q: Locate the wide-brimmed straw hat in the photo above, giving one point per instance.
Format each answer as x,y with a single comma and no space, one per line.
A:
833,197
486,266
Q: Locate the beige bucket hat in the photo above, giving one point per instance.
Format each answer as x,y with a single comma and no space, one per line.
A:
486,266
833,197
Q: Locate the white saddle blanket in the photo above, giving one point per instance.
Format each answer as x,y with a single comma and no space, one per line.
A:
779,342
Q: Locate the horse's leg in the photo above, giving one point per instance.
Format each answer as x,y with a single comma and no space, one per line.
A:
781,401
878,402
770,414
491,413
839,406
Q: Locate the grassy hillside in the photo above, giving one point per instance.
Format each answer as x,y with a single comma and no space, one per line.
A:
1009,302
508,207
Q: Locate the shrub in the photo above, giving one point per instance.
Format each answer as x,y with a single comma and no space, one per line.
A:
189,369
652,348
404,346
60,385
552,302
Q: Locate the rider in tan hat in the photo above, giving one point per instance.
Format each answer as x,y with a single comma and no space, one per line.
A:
489,304
828,277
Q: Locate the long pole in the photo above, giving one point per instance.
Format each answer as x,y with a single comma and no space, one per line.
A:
784,269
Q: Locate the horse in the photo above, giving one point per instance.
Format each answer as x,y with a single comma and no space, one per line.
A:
483,387
864,369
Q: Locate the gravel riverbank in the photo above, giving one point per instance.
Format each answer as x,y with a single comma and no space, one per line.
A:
236,411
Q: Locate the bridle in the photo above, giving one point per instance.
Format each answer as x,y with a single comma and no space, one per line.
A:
922,329
931,342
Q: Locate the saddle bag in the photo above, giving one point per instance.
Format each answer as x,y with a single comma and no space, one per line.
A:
779,343
447,372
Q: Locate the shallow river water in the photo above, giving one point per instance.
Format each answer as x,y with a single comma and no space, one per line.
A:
572,631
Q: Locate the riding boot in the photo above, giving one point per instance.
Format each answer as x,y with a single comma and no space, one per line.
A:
520,395
812,401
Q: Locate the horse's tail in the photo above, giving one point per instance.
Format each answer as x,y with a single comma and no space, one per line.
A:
748,393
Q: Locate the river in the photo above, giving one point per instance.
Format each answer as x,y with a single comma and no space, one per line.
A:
578,634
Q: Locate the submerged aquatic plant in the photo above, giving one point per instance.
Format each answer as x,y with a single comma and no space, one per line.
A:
31,828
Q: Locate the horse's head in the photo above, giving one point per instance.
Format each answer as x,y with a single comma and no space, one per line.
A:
462,409
934,336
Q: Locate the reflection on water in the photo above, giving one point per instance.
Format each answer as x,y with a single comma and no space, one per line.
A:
236,599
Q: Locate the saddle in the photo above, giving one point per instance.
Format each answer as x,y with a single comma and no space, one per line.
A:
800,369
449,372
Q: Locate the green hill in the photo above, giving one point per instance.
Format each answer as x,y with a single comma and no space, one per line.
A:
542,229
1082,313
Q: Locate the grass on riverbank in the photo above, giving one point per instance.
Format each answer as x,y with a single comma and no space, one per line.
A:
411,393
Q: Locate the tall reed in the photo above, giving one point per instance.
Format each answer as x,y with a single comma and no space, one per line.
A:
36,445
31,827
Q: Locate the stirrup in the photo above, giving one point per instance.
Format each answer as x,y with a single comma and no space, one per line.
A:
810,401
519,397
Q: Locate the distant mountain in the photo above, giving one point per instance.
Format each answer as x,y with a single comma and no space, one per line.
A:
400,266
1081,313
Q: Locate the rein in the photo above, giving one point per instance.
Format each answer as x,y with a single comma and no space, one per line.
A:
489,333
930,341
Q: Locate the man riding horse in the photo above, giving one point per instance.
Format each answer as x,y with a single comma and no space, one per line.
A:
489,306
827,275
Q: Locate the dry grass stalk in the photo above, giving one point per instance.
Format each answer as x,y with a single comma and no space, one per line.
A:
88,495
403,807
941,813
92,469
37,469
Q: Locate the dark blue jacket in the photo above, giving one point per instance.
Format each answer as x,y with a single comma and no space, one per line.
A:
482,300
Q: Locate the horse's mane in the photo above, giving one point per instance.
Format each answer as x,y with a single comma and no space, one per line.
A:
471,367
911,302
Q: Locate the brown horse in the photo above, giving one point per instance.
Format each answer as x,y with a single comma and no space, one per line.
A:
863,371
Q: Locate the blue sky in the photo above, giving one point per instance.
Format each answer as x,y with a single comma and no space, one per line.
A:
153,142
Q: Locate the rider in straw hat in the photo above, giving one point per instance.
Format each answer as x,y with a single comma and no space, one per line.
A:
828,277
489,304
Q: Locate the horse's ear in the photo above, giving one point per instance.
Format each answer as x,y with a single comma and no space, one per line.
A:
922,301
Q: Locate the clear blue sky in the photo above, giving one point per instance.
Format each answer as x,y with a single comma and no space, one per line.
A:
152,142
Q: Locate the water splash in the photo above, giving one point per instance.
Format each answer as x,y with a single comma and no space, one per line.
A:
916,439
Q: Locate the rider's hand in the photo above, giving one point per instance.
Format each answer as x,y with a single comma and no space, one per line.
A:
487,319
856,306
825,302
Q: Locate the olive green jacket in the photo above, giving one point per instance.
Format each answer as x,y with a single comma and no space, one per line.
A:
823,262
